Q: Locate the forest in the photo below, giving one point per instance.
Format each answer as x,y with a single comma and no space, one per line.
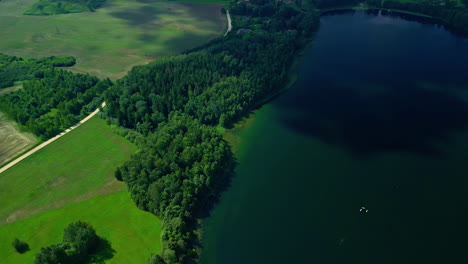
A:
14,69
172,107
55,101
53,7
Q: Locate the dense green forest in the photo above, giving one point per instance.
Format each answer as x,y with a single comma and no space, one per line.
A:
171,109
53,7
180,168
13,69
53,103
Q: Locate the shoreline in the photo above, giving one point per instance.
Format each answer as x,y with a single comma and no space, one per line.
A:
365,7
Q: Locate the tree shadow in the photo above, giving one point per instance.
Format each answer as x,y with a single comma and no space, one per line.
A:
103,252
137,16
405,118
147,17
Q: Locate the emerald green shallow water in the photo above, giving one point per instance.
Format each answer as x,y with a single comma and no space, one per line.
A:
378,118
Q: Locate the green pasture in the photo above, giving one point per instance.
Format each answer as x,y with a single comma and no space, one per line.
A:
133,234
69,180
108,42
74,168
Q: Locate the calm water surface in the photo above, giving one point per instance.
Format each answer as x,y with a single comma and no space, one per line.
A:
378,118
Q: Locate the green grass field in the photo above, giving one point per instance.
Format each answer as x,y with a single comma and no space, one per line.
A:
133,234
69,180
76,167
108,42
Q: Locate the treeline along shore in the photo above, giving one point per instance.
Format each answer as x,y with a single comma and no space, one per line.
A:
451,13
172,107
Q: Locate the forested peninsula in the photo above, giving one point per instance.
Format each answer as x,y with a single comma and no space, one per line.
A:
174,107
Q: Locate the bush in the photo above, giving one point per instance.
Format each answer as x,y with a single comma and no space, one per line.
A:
20,246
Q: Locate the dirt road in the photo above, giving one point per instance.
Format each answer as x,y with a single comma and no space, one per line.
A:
229,22
34,150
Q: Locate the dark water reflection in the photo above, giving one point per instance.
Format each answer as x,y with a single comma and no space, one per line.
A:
379,119
376,87
408,118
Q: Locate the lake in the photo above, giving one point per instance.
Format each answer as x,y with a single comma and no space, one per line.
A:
378,118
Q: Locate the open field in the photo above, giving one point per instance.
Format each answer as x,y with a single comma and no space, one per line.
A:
108,42
49,141
74,168
69,180
12,141
134,234
11,89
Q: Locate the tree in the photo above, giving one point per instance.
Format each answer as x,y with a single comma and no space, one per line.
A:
54,254
80,237
20,246
156,259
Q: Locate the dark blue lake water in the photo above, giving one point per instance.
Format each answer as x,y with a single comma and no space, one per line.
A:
378,118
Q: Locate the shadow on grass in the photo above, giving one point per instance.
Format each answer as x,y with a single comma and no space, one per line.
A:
102,253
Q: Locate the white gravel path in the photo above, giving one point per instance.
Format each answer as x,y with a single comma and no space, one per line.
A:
34,150
229,23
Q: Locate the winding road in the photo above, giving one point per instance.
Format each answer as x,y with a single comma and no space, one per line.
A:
229,22
34,150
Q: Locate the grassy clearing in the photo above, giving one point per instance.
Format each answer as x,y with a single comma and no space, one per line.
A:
108,42
69,180
134,235
11,89
75,168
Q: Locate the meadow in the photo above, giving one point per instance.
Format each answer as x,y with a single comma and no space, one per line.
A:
108,42
133,234
69,180
74,168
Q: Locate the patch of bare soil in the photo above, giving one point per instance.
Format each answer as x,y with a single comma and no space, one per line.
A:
8,90
12,141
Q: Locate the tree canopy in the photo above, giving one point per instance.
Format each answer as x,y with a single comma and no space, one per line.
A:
13,69
58,100
53,7
79,242
171,109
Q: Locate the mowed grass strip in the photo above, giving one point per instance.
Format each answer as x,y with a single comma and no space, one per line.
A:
76,167
133,234
108,42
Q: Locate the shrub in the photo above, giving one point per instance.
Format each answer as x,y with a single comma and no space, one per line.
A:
20,246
